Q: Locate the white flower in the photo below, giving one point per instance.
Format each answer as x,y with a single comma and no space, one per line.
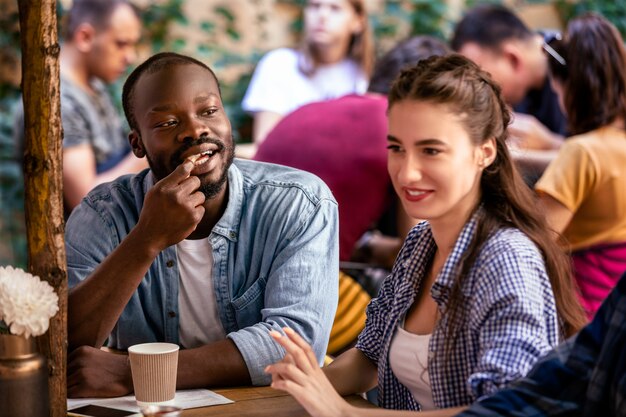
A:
26,302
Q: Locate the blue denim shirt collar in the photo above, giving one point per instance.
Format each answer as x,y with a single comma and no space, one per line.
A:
228,224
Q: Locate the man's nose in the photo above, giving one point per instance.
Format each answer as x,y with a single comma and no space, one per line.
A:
193,128
131,55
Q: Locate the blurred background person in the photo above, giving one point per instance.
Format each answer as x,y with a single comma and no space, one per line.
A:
99,45
335,59
583,190
497,40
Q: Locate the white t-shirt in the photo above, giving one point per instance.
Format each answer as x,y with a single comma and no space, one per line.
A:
408,358
199,321
278,85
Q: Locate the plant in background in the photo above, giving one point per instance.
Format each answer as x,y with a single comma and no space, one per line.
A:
614,11
12,228
423,17
26,303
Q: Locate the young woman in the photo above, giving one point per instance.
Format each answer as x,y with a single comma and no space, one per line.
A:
335,59
479,291
584,189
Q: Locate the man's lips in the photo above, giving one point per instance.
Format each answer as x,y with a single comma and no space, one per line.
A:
202,157
197,147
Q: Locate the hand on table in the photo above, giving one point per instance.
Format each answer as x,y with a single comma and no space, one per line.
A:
300,375
93,372
529,133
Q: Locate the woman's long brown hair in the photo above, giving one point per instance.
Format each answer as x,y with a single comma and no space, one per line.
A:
460,85
594,74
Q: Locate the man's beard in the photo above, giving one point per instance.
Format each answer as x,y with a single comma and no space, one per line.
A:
209,188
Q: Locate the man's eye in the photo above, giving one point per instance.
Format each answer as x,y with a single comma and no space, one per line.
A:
169,123
394,148
209,112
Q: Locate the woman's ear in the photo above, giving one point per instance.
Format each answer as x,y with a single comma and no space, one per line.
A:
136,144
358,25
487,153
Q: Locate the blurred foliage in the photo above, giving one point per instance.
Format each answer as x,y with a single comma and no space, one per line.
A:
613,10
12,226
423,17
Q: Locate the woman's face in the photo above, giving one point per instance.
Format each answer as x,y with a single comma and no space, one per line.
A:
434,167
331,22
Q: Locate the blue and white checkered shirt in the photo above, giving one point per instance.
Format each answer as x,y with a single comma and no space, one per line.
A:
583,377
509,320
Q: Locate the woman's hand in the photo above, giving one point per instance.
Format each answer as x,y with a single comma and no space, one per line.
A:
300,375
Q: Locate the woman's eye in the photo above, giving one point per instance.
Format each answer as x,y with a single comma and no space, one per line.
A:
393,148
431,151
209,112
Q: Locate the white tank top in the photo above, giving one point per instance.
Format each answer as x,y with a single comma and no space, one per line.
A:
408,358
199,320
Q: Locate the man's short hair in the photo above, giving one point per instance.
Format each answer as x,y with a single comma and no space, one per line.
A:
406,53
488,26
97,13
152,65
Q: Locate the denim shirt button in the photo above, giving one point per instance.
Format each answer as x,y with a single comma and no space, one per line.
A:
169,263
171,314
232,235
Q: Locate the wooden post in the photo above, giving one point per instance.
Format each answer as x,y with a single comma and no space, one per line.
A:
42,173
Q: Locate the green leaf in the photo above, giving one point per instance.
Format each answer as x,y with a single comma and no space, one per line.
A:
225,12
207,26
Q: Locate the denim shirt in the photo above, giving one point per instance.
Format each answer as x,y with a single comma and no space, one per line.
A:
508,322
275,260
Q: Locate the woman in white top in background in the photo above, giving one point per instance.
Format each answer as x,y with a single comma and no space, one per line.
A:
335,59
479,291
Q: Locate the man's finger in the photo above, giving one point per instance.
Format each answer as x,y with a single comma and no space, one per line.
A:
183,171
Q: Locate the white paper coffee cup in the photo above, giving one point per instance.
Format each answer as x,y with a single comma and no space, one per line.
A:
154,368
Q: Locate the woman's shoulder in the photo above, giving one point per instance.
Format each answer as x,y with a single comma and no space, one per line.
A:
509,240
509,251
508,264
280,57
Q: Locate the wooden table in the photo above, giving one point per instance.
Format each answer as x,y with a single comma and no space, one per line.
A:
261,402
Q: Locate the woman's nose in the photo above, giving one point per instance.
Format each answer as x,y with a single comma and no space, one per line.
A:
410,171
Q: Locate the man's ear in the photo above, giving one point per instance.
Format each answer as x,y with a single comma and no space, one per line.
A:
512,53
136,144
84,37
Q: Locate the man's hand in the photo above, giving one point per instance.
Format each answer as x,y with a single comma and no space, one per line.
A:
528,133
172,208
93,372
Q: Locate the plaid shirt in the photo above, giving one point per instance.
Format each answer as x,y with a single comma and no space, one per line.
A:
585,376
509,318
